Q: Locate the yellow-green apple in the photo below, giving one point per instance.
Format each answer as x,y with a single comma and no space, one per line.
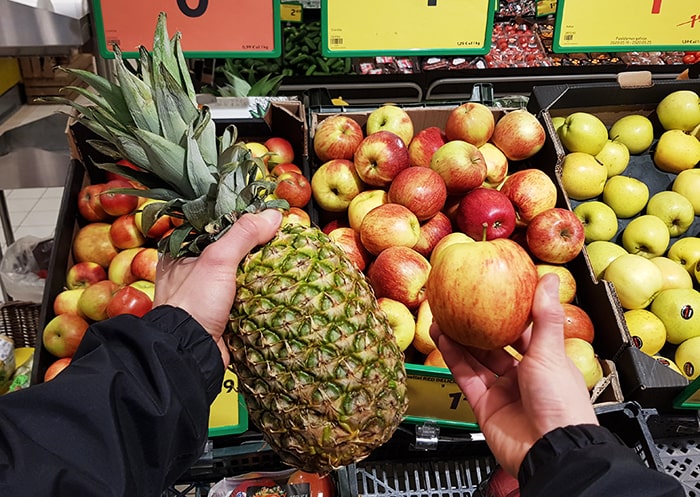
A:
400,273
89,205
567,282
129,300
673,209
56,367
119,270
469,283
422,341
686,252
582,176
675,275
296,215
147,287
435,360
117,204
337,137
335,184
285,167
555,236
280,149
696,271
531,191
82,274
125,233
145,263
389,225
676,151
471,122
431,232
391,118
599,220
294,188
93,303
601,253
583,132
635,131
679,109
485,214
150,222
420,189
679,309
401,321
364,202
646,330
519,135
258,150
581,353
615,156
446,241
577,323
646,235
66,302
93,243
636,279
686,358
687,183
461,165
349,240
496,164
424,144
665,361
626,195
62,335
557,121
379,157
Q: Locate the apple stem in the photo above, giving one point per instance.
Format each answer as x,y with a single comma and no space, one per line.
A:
483,233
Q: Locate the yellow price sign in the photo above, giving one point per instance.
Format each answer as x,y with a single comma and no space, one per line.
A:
625,25
546,7
406,27
291,12
437,398
227,414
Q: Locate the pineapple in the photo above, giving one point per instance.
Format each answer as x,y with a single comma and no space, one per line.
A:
321,373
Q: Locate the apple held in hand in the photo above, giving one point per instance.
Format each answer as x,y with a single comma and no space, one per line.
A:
461,166
337,137
583,132
83,274
485,214
400,273
636,279
471,122
294,188
391,118
531,191
389,225
62,335
380,157
93,243
129,300
481,293
424,145
420,189
519,135
446,241
349,240
335,184
555,236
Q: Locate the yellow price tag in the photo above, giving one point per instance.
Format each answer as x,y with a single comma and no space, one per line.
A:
437,398
624,25
224,410
546,7
291,12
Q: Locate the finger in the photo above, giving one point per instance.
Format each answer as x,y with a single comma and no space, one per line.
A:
465,368
548,317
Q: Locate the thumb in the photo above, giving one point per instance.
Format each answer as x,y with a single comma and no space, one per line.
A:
547,317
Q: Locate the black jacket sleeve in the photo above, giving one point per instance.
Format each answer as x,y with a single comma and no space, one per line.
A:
588,461
126,418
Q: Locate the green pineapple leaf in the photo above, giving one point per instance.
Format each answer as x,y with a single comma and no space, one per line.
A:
146,66
166,160
198,212
198,174
185,76
162,52
205,134
137,95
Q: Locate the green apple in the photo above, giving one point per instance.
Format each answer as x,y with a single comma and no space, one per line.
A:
673,209
583,132
679,309
636,279
601,254
615,156
679,110
582,176
676,151
646,329
599,220
688,358
687,183
686,252
696,272
581,353
626,195
675,275
557,122
635,131
646,235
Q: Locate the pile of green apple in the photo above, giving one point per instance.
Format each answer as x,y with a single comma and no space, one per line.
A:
449,223
635,185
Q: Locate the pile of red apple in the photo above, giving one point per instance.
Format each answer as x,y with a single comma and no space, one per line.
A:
396,201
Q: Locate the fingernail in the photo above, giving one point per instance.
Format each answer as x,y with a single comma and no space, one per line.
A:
273,216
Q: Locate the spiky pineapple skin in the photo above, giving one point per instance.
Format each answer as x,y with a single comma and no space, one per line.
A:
319,368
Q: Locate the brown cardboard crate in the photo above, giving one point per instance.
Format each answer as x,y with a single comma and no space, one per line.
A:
41,78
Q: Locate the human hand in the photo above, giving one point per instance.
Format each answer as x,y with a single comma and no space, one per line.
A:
205,286
518,402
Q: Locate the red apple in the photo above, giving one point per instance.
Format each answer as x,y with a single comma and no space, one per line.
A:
400,273
147,287
431,232
89,205
82,274
485,214
577,323
519,135
129,300
349,240
93,243
93,302
62,335
389,225
471,122
531,191
294,188
472,284
335,184
296,215
285,167
66,302
280,149
336,137
145,263
339,222
118,204
119,270
420,189
56,367
125,233
157,229
461,165
424,144
380,157
555,236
